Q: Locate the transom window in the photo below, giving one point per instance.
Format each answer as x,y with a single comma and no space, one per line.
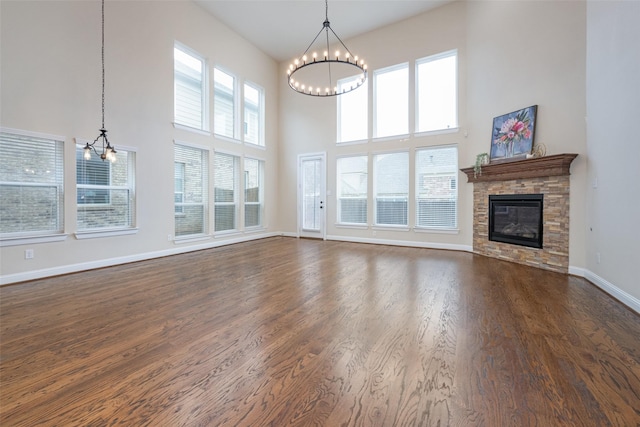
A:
190,88
437,92
224,103
391,101
353,111
253,114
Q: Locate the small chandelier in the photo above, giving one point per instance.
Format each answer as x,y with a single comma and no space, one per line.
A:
317,81
108,151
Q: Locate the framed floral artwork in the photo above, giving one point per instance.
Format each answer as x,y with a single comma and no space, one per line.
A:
512,135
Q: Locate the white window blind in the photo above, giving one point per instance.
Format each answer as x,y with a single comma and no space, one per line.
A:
190,94
437,187
391,178
31,184
253,114
104,190
192,169
225,170
224,103
253,192
352,190
352,111
437,87
391,107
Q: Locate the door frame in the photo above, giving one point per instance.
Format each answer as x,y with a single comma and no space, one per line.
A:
323,195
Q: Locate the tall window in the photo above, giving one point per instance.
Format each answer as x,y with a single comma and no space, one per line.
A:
224,103
253,192
391,104
391,180
191,190
437,187
437,88
352,111
190,88
105,193
225,172
31,184
352,190
253,114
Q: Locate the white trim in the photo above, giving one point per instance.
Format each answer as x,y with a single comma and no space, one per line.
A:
190,145
627,299
436,132
73,268
408,243
80,235
226,138
436,230
29,240
399,138
390,227
290,234
32,134
356,142
191,238
354,226
191,129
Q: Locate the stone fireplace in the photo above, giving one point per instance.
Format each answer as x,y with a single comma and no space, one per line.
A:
545,176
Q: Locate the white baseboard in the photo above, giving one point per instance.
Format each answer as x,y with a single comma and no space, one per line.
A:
74,268
409,243
627,299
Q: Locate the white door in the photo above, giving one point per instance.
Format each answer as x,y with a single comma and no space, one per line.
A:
311,195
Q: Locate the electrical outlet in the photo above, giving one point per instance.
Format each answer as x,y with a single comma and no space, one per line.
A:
29,254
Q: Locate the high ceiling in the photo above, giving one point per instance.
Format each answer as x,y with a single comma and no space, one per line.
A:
284,28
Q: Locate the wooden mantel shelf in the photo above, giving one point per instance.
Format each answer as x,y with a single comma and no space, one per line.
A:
555,165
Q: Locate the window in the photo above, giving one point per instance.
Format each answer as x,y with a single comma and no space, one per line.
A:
437,92
253,108
437,187
190,88
104,190
253,189
192,170
391,180
31,183
391,105
225,170
352,111
178,183
224,99
352,190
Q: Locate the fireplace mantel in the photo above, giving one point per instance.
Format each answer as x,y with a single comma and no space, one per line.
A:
555,165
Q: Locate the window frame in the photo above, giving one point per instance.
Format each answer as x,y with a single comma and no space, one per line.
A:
260,202
339,195
428,59
205,154
407,177
204,90
417,196
376,94
339,108
260,108
235,107
236,191
49,234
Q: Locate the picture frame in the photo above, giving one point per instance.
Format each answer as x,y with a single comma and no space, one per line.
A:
513,134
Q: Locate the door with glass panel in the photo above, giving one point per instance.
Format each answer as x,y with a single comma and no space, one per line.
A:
311,195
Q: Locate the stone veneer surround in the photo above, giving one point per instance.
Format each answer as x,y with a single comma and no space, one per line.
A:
552,181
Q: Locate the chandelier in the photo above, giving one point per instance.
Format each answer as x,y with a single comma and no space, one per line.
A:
312,74
108,151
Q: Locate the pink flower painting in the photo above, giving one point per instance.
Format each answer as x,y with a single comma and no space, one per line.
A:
513,134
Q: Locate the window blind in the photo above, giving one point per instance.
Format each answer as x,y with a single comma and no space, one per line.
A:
391,178
437,187
253,189
31,184
225,169
352,189
191,167
105,193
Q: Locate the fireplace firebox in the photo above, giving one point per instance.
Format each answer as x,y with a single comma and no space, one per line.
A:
516,219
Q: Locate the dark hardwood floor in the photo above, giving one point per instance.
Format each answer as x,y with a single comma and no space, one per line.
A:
287,332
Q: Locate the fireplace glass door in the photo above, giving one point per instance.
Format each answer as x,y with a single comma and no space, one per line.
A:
516,219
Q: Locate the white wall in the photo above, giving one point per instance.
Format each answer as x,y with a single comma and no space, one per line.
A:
613,146
511,55
51,84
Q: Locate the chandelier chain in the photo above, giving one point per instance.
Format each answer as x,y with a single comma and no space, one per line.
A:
102,64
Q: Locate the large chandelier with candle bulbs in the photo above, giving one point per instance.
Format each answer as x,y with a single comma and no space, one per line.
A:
316,72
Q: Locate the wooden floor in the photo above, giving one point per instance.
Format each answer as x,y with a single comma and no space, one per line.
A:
287,332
